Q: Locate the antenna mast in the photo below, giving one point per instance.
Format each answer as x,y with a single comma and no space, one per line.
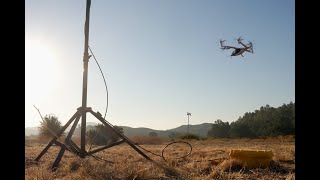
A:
69,144
85,78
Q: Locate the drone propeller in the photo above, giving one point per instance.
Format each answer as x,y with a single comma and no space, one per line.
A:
221,42
251,46
239,40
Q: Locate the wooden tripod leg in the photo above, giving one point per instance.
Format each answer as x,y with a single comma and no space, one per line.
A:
68,138
58,159
77,114
98,116
63,148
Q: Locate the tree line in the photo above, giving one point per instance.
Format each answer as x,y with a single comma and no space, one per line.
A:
267,121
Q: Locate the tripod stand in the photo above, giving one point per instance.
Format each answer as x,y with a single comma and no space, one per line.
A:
81,113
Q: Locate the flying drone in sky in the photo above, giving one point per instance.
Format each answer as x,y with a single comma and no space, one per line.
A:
238,50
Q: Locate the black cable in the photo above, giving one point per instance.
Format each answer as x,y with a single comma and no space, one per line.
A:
162,152
103,80
107,97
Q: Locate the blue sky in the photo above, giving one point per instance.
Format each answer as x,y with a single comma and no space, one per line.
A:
161,59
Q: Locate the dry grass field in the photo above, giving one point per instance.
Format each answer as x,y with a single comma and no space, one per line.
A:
209,159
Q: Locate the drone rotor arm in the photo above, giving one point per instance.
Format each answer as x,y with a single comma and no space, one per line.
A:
228,47
251,46
242,44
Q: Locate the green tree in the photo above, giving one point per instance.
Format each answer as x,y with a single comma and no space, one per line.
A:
267,121
240,129
49,126
219,129
153,134
102,135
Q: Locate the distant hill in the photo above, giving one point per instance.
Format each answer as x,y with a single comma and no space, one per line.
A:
35,131
141,131
31,131
199,129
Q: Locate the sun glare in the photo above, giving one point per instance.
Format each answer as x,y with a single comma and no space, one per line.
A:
40,71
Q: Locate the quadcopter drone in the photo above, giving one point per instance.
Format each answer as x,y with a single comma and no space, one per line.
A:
238,50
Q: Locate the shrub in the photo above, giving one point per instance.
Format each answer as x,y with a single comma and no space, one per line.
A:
49,127
189,136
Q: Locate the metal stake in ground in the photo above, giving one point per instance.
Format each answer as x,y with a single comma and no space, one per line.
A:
188,114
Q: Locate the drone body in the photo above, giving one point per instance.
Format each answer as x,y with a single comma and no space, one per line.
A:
238,50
